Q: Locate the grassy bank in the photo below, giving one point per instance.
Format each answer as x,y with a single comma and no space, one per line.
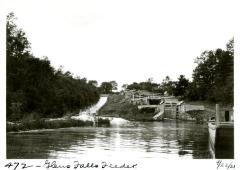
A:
120,106
53,124
201,116
206,104
207,113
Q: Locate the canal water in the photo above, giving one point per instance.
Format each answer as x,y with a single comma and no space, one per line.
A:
166,140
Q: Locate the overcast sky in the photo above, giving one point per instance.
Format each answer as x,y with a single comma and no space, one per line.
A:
125,40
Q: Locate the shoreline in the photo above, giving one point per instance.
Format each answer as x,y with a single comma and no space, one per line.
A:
68,120
54,124
120,106
116,106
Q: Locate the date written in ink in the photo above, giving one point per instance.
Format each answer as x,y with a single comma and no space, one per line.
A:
224,164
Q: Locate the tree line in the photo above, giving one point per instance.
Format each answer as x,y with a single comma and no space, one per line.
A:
34,88
212,79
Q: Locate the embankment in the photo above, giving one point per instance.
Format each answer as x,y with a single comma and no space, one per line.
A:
202,116
120,106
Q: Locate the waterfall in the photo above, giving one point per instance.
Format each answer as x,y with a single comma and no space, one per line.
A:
89,114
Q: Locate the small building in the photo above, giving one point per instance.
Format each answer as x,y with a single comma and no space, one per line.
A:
226,114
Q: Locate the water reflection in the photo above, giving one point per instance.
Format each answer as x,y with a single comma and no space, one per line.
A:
142,140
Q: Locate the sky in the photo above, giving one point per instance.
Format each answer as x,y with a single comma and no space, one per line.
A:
128,40
124,40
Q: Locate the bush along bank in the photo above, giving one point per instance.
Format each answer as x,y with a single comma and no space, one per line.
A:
44,124
54,124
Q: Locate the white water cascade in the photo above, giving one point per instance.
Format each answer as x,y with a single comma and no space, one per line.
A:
88,114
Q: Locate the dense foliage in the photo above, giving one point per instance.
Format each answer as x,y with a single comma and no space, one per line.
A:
108,87
147,85
213,79
34,88
169,87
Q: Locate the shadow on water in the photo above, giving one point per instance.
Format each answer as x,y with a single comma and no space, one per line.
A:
142,140
188,140
39,144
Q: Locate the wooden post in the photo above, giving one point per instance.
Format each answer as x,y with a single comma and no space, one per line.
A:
217,114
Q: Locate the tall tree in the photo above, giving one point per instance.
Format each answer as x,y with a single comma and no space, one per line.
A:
168,85
33,85
106,87
181,86
213,77
114,85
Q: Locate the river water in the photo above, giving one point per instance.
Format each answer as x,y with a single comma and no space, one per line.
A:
167,139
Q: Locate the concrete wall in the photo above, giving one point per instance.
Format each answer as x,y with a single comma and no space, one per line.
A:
170,111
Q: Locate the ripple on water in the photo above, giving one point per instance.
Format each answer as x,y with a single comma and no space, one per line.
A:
147,140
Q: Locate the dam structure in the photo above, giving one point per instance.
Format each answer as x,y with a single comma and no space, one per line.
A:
163,107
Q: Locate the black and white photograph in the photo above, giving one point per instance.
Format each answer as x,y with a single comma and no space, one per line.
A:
118,80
